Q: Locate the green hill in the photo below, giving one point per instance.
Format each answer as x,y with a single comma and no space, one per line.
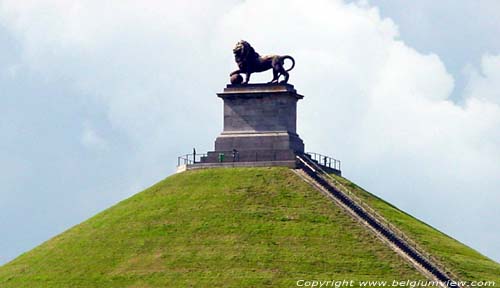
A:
248,227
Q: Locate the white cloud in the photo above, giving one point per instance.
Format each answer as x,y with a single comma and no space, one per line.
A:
484,84
371,100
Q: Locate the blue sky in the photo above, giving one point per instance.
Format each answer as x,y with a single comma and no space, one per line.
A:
97,100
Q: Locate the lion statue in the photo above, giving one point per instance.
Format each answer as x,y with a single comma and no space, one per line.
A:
250,62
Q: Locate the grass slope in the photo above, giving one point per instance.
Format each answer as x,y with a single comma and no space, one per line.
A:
248,227
211,228
466,263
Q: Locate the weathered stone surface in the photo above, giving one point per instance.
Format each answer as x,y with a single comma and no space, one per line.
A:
260,122
272,113
259,141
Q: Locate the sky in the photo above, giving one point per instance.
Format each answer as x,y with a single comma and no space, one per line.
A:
99,98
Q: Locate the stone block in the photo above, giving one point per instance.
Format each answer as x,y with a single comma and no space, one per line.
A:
260,122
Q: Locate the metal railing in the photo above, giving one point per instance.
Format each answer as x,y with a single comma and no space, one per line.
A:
324,160
190,159
386,225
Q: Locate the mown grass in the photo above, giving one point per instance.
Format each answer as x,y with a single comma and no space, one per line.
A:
464,261
253,227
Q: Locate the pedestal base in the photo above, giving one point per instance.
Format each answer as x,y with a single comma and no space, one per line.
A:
259,123
228,141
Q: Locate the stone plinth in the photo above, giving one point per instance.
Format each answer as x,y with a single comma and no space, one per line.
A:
260,122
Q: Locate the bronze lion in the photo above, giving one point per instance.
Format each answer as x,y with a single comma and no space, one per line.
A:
250,62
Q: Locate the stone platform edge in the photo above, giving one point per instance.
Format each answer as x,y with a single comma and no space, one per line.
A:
293,164
288,163
259,90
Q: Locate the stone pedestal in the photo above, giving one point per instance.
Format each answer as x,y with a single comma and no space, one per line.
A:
260,122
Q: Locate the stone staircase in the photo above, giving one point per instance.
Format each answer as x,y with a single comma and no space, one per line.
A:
315,175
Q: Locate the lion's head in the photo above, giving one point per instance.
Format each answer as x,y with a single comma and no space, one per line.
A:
243,52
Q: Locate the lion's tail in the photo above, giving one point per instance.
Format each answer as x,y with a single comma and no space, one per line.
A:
291,58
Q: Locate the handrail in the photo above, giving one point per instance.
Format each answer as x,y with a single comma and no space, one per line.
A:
318,170
189,159
324,160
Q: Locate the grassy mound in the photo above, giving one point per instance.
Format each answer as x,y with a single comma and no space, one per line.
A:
248,227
